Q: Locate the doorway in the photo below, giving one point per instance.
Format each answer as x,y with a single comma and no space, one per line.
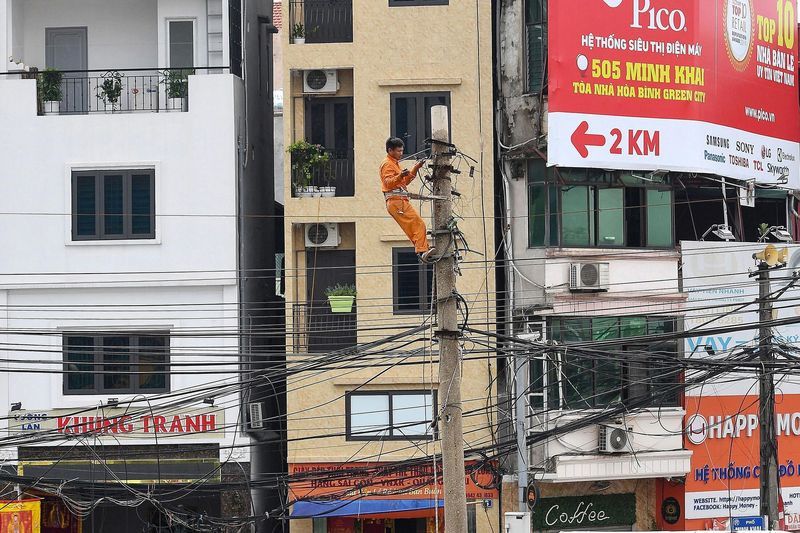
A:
329,122
66,49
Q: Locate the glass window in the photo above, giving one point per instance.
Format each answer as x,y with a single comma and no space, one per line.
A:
616,373
411,117
181,43
319,525
536,29
389,415
413,282
97,363
80,350
113,205
369,415
85,206
576,224
610,217
411,413
141,204
588,207
116,367
659,218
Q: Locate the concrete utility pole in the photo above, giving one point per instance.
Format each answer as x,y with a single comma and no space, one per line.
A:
450,423
766,404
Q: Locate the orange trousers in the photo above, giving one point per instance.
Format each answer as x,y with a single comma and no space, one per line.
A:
408,219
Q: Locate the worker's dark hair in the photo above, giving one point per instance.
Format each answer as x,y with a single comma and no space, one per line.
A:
394,142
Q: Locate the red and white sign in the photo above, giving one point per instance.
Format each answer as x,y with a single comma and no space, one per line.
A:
117,421
683,85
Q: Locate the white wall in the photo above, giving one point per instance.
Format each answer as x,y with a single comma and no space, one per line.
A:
121,33
56,311
194,155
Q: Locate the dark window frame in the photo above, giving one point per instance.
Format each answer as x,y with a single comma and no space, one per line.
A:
98,363
564,376
410,3
426,292
552,184
420,117
434,435
536,25
99,207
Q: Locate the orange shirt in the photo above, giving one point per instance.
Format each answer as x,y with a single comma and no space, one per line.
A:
391,177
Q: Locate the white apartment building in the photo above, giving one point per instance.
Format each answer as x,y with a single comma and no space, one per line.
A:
129,211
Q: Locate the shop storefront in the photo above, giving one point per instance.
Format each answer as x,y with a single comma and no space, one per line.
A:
370,498
623,505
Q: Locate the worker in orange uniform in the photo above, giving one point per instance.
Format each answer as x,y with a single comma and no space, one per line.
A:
394,181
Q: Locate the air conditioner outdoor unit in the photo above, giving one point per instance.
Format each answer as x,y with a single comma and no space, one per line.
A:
588,276
320,81
325,235
615,438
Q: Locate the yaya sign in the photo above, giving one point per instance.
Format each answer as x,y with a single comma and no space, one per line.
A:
683,85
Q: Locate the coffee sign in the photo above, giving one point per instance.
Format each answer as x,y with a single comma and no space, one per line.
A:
585,512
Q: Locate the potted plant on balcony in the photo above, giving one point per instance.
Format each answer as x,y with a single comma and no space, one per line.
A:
298,33
341,297
110,90
177,88
307,158
50,91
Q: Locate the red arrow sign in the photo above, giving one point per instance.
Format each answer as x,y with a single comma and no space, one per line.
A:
581,139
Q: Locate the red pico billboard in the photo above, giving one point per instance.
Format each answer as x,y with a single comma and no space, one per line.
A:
683,85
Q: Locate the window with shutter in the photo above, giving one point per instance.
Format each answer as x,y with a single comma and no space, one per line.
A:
536,28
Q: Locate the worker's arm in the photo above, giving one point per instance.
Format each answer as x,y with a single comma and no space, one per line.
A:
392,179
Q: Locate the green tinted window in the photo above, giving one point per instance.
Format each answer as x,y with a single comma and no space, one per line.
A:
576,216
610,217
537,215
659,218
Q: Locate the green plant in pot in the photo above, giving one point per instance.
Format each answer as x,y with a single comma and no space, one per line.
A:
50,91
110,90
176,82
307,158
298,33
341,297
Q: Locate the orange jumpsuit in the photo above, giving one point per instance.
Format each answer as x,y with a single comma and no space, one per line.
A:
399,207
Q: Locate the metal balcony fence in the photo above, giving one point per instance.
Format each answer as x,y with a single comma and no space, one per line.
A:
115,91
316,329
324,21
338,172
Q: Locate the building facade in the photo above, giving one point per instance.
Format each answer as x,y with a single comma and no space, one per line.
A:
355,73
138,189
594,258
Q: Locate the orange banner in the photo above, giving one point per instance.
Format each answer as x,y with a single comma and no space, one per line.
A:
376,480
723,434
20,516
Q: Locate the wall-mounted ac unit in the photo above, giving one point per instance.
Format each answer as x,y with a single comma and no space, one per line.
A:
325,235
615,438
319,81
588,276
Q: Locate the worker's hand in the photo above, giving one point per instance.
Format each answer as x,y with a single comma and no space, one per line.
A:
404,172
418,165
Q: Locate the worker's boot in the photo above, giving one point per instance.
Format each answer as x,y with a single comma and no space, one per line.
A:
427,257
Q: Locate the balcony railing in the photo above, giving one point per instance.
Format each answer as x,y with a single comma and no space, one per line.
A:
335,178
324,21
114,91
317,329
